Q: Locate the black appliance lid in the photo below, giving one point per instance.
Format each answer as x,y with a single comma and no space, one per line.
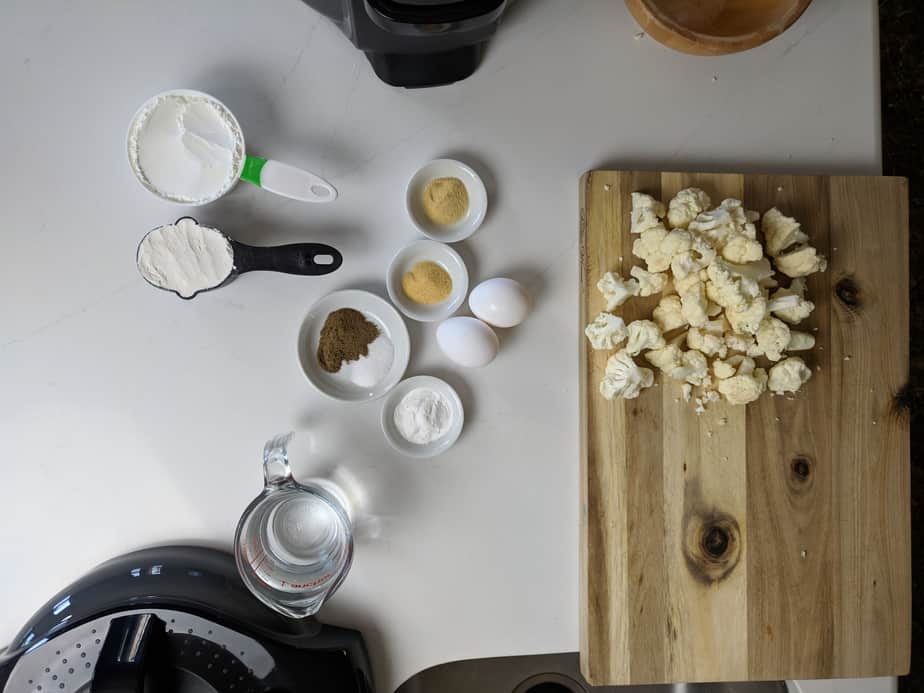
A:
434,11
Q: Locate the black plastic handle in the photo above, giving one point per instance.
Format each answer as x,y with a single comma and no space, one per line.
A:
296,258
128,661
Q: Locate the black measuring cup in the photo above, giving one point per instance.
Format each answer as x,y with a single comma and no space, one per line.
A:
307,259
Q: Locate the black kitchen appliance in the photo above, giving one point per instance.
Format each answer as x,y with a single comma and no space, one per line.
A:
417,43
176,619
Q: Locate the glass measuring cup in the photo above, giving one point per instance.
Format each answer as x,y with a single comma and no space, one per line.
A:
294,543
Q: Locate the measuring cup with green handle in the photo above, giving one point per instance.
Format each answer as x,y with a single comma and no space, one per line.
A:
275,176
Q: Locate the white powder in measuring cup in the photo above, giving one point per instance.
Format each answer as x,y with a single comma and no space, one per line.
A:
186,147
185,257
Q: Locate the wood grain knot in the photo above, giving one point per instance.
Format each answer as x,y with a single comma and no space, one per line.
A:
801,470
848,293
712,545
903,403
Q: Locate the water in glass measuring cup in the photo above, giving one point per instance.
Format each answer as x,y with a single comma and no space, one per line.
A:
294,543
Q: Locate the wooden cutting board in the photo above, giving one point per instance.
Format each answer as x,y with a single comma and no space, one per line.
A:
776,545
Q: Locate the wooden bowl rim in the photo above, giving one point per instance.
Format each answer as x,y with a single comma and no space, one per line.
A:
745,41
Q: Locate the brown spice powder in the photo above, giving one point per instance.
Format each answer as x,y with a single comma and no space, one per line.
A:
445,200
345,336
427,283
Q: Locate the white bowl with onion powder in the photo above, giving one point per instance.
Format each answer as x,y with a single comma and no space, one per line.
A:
422,416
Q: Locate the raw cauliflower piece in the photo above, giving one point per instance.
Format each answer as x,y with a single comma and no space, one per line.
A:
747,320
790,304
742,249
668,313
801,262
617,290
624,378
666,358
696,257
607,331
747,384
789,375
643,335
733,286
741,343
800,341
724,223
772,338
693,369
657,247
648,282
722,369
710,338
780,231
693,305
646,213
686,206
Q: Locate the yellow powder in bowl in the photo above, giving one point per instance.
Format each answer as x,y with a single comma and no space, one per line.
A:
445,200
427,283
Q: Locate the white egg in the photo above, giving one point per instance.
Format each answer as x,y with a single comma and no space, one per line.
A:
500,302
467,341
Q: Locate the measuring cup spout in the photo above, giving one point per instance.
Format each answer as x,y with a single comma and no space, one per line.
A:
276,469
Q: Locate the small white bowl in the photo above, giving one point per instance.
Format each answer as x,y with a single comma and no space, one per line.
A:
377,310
445,257
477,200
440,445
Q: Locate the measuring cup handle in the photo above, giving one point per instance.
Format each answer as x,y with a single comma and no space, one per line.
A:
276,470
288,181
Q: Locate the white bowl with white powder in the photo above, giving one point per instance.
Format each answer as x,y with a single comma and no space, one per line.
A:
422,416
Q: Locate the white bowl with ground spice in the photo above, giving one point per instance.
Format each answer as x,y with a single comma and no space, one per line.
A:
427,281
447,200
353,346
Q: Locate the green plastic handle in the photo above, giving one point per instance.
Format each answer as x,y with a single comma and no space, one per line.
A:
251,171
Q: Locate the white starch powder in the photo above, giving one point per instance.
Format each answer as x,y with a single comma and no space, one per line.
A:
186,147
185,257
423,415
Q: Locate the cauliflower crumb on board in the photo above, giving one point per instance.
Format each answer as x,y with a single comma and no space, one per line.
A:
726,300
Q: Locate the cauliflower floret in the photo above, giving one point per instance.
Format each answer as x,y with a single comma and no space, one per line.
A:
681,286
742,389
667,358
742,249
801,262
607,331
657,247
780,231
697,256
790,304
693,305
617,290
747,383
789,375
648,282
646,213
710,338
668,313
724,223
693,369
624,378
772,338
722,369
685,207
643,335
741,343
800,341
732,285
747,320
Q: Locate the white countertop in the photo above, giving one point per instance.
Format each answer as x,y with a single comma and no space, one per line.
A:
129,417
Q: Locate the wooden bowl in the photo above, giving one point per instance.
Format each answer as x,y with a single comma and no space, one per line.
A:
715,27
